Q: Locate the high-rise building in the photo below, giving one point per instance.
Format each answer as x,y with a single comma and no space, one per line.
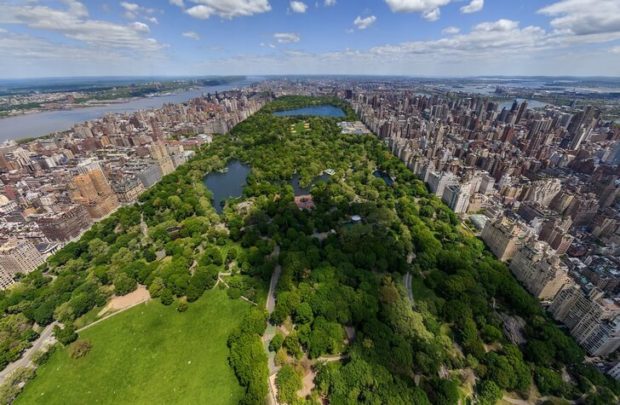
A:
539,269
19,256
503,237
159,152
91,189
592,319
457,198
128,190
554,231
65,224
438,181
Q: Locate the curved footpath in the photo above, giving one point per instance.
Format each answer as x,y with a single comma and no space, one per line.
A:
271,330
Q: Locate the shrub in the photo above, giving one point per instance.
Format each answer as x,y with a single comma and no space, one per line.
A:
166,297
42,356
123,284
276,342
80,348
65,335
182,307
234,293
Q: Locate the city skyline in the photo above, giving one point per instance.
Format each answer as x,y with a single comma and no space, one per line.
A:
243,37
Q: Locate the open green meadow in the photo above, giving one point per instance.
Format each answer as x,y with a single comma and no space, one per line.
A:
150,354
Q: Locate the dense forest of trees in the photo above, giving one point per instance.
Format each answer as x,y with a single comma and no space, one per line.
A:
340,292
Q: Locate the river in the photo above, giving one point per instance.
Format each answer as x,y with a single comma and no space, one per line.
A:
43,123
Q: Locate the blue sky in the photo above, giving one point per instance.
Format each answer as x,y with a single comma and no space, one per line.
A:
404,37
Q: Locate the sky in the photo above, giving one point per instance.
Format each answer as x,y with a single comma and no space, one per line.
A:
46,38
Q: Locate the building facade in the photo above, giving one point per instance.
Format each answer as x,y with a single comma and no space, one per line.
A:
539,269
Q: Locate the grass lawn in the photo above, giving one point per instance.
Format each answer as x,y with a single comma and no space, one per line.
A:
150,354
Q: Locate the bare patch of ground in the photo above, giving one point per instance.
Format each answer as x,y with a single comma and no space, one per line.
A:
141,294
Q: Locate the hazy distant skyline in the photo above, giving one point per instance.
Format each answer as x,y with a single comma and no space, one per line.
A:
253,37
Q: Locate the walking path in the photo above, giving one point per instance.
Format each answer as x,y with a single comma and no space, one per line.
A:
120,311
407,279
45,339
271,330
275,276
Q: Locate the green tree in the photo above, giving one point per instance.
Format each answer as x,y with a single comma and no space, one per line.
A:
288,382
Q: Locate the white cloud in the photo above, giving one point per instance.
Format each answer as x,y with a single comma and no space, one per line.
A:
134,11
153,20
130,6
298,6
496,26
286,37
227,8
140,27
73,23
329,3
428,8
615,49
363,23
432,15
178,3
191,35
450,30
473,7
584,17
34,56
506,37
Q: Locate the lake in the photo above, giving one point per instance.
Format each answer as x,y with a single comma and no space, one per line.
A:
228,184
43,123
319,110
299,190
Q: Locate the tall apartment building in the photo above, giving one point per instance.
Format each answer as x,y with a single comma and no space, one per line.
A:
457,198
6,280
19,256
486,184
438,181
539,269
128,190
65,224
554,231
593,320
91,189
159,152
149,174
614,371
503,237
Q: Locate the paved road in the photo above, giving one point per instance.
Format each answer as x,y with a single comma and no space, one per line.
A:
407,280
44,339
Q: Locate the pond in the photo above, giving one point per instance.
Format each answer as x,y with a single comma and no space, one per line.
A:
383,175
299,190
319,110
227,184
